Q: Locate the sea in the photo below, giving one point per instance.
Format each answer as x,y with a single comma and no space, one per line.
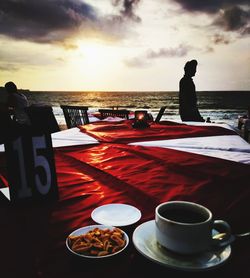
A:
220,106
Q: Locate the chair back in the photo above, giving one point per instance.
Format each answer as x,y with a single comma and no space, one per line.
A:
42,118
160,114
75,115
122,113
6,124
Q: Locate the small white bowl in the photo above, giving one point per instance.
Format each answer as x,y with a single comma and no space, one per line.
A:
86,229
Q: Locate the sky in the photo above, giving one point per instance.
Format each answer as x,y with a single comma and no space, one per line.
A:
124,45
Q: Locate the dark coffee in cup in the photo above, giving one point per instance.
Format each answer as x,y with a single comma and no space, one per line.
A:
183,215
187,228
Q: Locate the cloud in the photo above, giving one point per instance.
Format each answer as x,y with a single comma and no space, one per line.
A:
246,31
229,15
58,21
220,39
43,21
179,51
127,8
208,49
145,60
234,19
137,62
211,6
15,56
8,67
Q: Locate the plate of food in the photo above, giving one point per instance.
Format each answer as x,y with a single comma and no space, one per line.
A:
97,241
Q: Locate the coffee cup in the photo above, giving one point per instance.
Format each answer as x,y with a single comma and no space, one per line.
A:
187,228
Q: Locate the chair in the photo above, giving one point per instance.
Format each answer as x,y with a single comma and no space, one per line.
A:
246,129
244,121
160,114
6,123
75,115
42,118
123,113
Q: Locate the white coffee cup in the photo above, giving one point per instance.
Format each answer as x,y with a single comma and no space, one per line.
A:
187,228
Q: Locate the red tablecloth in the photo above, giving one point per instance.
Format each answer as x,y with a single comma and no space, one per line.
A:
123,132
33,239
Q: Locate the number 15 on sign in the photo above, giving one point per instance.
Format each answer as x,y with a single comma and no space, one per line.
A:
31,168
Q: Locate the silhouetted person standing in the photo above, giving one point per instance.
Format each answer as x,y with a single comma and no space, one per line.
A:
187,95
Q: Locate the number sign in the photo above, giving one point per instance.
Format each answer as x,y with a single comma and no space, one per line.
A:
31,168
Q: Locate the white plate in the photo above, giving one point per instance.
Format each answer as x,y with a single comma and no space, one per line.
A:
145,242
116,215
86,229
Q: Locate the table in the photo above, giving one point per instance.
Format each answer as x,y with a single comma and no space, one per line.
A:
91,173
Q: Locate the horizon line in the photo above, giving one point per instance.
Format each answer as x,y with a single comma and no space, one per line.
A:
132,91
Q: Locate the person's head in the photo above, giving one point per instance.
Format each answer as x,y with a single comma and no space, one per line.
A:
190,68
10,87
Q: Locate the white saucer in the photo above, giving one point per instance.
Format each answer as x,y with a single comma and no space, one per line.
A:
145,242
116,215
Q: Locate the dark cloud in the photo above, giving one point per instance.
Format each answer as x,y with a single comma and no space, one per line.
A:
246,31
209,6
43,21
127,8
49,21
230,15
234,19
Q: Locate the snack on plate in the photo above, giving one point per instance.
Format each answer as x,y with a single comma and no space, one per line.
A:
98,242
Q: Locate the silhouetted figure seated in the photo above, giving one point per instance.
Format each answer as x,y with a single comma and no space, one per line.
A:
187,95
17,102
11,111
208,120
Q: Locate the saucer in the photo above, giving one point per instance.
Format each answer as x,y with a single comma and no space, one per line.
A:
116,215
146,244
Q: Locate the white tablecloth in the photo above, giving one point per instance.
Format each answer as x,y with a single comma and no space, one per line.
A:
230,147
